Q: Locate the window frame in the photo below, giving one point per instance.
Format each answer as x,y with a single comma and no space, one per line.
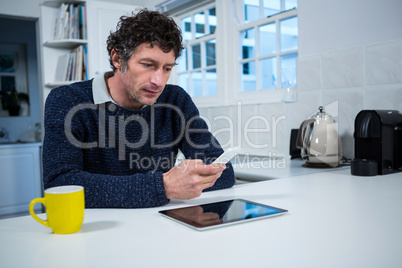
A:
201,101
229,17
262,95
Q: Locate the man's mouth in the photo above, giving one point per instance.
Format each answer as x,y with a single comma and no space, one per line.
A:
152,91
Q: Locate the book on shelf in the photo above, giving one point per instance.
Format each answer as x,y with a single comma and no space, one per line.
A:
72,66
62,66
85,70
71,22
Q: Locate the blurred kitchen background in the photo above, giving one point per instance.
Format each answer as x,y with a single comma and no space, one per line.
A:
348,53
241,57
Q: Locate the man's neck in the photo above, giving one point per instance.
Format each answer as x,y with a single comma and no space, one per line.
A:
117,92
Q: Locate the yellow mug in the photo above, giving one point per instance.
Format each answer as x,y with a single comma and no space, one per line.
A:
64,208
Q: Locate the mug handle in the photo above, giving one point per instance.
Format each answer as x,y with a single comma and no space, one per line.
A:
32,212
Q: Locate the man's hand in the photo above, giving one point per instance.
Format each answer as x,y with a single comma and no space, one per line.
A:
189,178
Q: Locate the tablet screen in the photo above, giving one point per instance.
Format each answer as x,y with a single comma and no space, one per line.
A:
219,214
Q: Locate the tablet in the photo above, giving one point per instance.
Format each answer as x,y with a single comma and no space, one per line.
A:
220,214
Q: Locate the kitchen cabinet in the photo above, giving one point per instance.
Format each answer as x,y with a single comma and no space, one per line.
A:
20,177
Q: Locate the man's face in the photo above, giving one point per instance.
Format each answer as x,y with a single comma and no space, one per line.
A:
147,73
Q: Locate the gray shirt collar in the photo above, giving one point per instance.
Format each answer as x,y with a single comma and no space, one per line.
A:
99,89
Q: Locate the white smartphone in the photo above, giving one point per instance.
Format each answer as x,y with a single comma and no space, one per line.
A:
227,156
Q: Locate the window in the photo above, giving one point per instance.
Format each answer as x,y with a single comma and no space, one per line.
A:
249,57
268,40
197,72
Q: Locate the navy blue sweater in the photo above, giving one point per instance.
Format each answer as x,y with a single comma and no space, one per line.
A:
118,154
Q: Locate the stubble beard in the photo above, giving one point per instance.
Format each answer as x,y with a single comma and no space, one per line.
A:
137,97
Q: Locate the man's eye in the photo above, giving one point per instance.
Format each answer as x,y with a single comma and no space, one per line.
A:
147,65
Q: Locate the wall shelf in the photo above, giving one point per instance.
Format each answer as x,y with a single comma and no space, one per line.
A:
59,83
65,43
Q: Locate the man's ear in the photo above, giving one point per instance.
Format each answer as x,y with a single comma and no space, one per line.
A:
115,59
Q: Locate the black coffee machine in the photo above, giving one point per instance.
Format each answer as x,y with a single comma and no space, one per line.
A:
378,143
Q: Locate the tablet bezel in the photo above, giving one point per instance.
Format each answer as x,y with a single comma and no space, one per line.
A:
194,226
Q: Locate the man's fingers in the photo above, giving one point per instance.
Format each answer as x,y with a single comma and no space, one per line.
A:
209,181
196,166
206,170
188,179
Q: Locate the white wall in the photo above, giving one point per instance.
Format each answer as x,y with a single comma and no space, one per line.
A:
350,54
20,8
150,4
350,58
331,25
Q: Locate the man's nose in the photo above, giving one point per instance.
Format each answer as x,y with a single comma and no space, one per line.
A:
157,78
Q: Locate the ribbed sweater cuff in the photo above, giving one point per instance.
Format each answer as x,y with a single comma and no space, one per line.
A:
160,187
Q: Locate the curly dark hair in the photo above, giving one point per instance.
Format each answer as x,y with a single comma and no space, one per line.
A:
144,27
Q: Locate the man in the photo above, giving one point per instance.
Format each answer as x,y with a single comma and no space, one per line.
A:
119,134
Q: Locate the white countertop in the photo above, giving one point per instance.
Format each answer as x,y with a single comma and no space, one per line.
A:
259,168
334,220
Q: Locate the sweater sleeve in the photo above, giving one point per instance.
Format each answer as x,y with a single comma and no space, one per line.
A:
63,165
